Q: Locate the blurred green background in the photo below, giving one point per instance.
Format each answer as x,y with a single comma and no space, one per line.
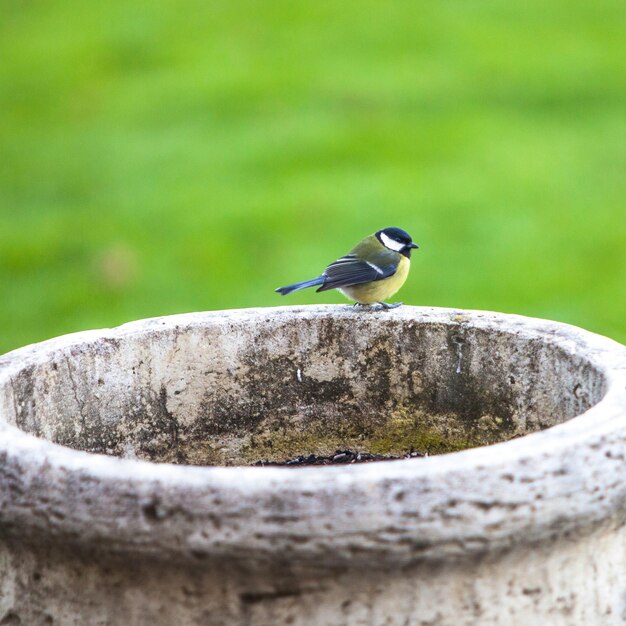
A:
162,157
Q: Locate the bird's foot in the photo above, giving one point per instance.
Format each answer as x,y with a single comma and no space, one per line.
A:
390,306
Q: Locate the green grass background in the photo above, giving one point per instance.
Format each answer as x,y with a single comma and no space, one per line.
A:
161,157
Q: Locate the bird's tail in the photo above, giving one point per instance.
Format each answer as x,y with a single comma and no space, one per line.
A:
283,291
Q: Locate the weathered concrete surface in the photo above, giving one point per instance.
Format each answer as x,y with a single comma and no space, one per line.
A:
530,531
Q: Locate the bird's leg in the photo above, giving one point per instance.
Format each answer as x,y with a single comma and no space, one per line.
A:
390,306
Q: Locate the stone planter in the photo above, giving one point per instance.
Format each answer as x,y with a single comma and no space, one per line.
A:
528,531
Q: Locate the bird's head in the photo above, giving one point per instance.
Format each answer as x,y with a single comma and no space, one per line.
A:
397,240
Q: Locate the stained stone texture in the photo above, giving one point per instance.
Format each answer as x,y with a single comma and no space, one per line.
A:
127,494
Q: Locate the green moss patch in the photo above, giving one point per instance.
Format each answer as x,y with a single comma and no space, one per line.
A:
404,430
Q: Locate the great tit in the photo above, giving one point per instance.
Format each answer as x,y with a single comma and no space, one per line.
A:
371,272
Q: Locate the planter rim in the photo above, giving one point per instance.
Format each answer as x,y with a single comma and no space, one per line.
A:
569,477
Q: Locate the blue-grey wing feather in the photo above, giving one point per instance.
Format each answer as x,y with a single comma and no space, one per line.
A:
349,270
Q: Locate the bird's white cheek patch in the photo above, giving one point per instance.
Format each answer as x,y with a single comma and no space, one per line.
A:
390,243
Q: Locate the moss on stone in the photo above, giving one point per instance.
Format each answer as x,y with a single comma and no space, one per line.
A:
405,429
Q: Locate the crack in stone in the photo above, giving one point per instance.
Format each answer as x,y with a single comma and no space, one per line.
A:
16,407
170,417
79,402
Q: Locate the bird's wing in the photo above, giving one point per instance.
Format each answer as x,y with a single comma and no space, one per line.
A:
349,270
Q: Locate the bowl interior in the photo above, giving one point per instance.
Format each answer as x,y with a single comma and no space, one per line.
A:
237,390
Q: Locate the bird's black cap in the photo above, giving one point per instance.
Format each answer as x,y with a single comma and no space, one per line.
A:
396,233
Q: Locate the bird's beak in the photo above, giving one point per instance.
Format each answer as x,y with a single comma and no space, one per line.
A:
413,245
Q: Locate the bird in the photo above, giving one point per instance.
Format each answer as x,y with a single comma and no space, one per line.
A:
372,272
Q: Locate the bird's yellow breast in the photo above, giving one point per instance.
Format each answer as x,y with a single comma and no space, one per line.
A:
379,290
